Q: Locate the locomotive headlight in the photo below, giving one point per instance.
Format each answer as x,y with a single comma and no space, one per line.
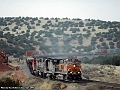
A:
78,72
69,69
74,66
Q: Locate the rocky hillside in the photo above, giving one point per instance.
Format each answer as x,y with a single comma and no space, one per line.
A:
18,34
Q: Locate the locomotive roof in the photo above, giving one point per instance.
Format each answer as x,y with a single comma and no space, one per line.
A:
73,59
55,58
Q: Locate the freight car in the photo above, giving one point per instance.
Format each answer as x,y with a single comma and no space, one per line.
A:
100,51
114,51
58,69
31,53
107,51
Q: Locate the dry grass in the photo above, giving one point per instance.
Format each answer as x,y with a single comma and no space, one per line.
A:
34,81
89,86
44,84
105,73
6,74
94,87
93,72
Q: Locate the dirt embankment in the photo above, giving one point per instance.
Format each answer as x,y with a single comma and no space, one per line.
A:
4,67
28,80
11,70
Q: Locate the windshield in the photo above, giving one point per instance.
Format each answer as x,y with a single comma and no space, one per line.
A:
69,62
76,62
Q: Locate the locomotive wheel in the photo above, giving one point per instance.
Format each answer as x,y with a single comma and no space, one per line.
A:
80,76
32,72
69,77
37,73
41,75
66,77
44,75
52,77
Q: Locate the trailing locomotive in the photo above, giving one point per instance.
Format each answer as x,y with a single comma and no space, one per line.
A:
58,69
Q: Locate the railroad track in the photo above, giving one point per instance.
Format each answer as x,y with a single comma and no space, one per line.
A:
106,85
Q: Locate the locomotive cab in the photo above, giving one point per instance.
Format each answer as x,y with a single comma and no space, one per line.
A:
70,69
74,69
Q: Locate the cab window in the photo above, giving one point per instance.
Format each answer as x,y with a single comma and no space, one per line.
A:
61,61
69,62
77,63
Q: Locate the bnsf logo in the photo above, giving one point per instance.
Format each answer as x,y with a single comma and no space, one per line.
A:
74,69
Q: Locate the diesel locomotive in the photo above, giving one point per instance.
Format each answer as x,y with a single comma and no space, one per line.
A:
58,69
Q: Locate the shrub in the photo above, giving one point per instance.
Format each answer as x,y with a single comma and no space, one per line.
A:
109,38
112,46
94,87
103,44
99,46
93,38
115,40
7,82
93,30
101,39
37,24
115,60
49,21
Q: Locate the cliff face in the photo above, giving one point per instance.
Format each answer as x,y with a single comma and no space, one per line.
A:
3,56
4,61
